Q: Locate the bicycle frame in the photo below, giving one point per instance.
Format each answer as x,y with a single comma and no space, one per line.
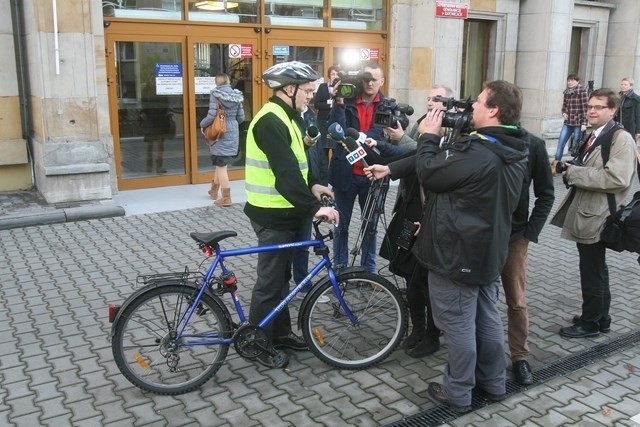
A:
221,255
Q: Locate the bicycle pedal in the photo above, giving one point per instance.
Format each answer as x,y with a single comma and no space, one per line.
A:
201,310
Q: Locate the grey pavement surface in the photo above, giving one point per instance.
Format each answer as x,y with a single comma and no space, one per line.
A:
56,366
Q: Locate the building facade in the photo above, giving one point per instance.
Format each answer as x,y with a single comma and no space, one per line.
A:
100,96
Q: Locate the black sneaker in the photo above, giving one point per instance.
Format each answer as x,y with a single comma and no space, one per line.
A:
413,339
426,347
291,341
275,359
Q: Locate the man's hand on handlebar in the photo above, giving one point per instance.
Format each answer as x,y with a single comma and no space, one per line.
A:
319,191
329,215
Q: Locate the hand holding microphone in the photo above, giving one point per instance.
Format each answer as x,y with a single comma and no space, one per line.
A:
312,136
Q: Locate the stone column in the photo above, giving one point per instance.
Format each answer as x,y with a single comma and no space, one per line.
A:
73,149
544,38
622,55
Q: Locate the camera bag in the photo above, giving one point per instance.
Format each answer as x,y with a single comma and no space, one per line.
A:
621,230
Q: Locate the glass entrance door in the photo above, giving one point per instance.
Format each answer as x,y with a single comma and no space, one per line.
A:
236,60
149,86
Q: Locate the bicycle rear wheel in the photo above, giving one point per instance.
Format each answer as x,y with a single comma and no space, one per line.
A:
381,321
147,352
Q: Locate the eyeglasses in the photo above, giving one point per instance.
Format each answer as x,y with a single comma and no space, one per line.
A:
596,107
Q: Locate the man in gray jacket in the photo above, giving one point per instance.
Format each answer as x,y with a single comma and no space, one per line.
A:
585,208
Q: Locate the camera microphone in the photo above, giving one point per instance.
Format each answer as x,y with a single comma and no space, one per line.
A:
335,131
356,152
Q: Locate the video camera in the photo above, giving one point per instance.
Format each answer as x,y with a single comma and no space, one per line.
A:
390,113
459,114
351,83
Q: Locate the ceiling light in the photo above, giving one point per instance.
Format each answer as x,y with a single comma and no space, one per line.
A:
216,5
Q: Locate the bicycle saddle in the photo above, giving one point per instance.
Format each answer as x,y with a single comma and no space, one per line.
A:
212,239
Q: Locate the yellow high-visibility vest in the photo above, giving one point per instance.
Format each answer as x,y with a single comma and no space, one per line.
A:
260,182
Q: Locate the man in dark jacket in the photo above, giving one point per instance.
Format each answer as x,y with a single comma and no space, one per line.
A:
629,113
281,196
472,186
525,228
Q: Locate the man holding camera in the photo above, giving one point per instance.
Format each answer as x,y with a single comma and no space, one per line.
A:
584,210
349,181
472,187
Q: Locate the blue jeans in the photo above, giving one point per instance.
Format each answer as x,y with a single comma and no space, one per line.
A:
344,203
565,134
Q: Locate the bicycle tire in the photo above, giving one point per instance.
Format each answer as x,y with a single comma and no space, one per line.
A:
150,359
381,315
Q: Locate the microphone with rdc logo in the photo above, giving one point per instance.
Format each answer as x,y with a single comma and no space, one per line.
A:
356,152
360,138
336,132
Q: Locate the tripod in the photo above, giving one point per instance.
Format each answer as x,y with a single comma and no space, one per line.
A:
370,215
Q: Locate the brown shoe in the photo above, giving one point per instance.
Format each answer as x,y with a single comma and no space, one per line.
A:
214,191
437,393
225,200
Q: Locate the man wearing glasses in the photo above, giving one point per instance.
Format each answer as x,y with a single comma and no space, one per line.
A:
585,208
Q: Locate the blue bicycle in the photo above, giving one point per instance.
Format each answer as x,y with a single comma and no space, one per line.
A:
173,334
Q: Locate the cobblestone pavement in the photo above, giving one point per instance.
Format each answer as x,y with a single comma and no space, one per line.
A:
56,366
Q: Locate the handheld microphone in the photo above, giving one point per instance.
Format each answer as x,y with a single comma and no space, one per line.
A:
359,137
312,136
335,131
356,152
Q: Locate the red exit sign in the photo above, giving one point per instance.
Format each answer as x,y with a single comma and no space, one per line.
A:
451,10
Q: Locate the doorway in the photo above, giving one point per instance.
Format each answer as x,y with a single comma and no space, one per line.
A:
159,88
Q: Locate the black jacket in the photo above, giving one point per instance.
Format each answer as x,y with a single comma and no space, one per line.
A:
272,136
538,172
472,188
629,113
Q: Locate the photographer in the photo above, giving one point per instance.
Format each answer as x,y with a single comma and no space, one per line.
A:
349,181
472,187
584,210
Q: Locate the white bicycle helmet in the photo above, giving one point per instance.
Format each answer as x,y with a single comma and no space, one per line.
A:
289,73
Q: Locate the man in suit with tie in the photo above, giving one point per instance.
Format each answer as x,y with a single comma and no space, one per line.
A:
585,208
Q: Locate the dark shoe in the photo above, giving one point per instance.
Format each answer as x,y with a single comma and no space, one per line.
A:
605,325
577,331
483,394
291,341
276,359
522,372
413,339
436,392
424,348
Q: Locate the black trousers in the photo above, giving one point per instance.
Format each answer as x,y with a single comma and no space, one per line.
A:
418,301
594,281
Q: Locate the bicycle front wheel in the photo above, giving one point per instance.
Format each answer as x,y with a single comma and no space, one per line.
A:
380,321
149,354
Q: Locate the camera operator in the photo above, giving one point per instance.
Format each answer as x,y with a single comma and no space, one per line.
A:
472,187
349,181
584,210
